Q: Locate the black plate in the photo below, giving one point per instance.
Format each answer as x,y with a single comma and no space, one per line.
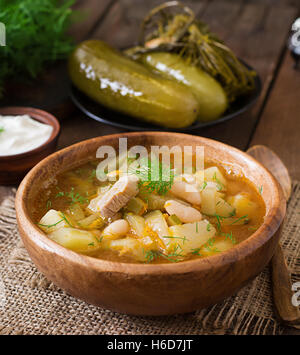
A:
114,118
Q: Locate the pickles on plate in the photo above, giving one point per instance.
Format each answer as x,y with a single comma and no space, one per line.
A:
209,93
115,81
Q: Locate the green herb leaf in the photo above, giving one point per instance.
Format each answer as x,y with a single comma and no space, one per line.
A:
230,236
220,186
239,219
203,185
74,197
154,177
35,36
172,237
48,204
196,251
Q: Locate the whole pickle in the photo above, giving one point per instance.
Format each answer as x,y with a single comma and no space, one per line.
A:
115,81
209,93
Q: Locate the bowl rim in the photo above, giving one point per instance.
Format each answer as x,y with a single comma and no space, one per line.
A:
265,232
38,115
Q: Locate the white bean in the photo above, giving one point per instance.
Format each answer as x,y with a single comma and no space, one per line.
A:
187,192
186,214
116,229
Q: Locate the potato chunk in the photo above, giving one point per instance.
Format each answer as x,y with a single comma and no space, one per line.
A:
214,174
223,208
129,246
52,221
75,239
137,223
209,196
243,205
154,201
190,236
218,245
155,220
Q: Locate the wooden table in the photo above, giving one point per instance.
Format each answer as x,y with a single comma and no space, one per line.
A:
256,30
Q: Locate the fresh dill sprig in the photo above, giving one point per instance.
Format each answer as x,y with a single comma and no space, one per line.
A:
35,36
203,185
92,175
184,239
99,240
154,176
74,197
220,186
50,225
241,218
48,204
209,245
196,251
208,227
230,237
64,218
174,256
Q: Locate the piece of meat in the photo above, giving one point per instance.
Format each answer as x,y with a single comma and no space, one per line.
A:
117,197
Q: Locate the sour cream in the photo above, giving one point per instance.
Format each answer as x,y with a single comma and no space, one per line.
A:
20,134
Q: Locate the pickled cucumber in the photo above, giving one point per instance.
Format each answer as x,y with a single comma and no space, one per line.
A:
115,81
209,93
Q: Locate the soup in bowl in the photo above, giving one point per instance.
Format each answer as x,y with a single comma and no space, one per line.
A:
143,234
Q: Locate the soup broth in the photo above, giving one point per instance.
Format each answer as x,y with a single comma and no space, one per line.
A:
129,220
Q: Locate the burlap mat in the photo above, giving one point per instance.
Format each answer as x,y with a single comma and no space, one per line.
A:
29,304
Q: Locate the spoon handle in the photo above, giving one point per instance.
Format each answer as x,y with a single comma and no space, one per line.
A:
282,290
281,278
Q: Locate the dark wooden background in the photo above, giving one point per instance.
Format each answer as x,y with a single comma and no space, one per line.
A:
256,30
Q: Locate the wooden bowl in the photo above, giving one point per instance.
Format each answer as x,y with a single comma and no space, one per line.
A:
144,289
14,167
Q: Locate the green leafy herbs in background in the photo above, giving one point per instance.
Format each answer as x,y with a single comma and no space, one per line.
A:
35,36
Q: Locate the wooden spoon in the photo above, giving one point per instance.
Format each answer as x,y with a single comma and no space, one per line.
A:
281,279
